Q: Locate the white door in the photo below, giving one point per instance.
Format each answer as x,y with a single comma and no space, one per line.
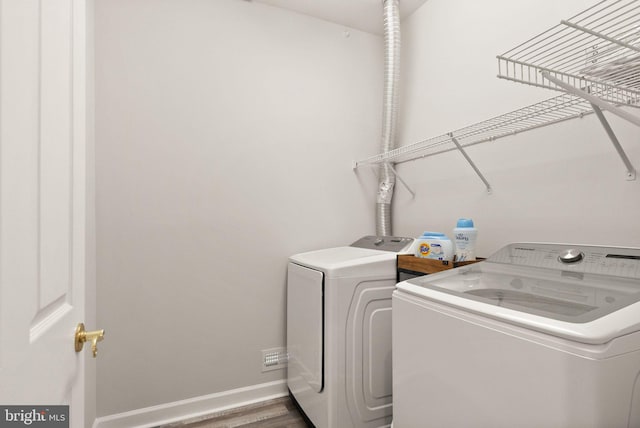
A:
42,202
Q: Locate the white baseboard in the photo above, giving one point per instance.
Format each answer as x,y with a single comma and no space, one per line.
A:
193,407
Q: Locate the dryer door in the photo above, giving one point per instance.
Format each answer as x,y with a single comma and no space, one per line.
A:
305,332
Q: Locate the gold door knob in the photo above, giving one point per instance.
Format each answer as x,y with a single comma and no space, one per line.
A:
83,336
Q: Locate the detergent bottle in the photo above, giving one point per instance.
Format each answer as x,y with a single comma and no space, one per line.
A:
434,245
465,236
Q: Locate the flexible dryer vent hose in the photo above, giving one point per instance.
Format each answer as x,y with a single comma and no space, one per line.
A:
387,179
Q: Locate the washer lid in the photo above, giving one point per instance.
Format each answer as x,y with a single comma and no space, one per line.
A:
583,293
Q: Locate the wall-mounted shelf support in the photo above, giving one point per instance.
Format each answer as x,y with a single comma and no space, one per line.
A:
404,183
592,99
597,104
473,165
631,171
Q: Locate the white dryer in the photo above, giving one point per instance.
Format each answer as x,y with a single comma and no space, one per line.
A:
538,335
339,332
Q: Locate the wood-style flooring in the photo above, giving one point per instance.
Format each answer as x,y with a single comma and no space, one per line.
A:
277,413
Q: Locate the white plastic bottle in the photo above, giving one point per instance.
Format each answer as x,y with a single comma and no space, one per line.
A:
465,236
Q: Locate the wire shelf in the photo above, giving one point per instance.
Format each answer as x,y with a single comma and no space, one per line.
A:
553,110
592,58
597,50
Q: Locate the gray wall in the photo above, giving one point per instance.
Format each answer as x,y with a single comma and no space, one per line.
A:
561,183
225,132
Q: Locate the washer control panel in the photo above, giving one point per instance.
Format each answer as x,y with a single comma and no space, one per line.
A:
612,261
394,244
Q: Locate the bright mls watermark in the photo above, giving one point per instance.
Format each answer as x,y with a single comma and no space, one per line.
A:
34,416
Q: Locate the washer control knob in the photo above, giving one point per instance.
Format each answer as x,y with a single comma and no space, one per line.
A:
571,256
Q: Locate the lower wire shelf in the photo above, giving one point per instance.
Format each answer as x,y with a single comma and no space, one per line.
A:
554,110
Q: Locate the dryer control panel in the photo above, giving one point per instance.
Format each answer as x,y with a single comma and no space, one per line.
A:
394,244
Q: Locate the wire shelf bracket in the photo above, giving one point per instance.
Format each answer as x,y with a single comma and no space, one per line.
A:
404,183
631,171
473,165
592,99
598,105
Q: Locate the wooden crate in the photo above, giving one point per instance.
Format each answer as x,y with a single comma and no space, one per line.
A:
410,264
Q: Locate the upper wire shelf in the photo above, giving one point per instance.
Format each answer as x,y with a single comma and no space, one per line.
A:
597,50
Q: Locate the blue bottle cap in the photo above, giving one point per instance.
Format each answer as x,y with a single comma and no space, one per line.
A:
465,222
433,235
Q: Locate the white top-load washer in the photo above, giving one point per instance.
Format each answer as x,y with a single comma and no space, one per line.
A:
538,335
339,332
